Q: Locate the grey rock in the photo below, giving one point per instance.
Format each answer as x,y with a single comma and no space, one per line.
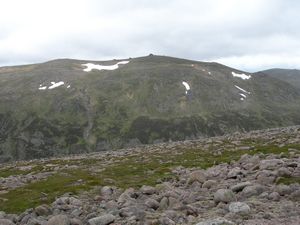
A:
270,164
76,221
224,195
102,220
59,220
240,186
274,196
148,190
43,210
235,172
209,184
6,222
166,221
217,221
198,176
253,190
152,203
283,189
284,172
164,203
239,208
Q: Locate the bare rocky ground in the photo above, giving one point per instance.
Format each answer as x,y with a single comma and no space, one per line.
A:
243,178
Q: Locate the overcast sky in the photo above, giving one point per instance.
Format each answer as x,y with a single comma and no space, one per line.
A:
245,34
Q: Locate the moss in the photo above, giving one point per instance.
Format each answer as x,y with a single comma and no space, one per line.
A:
9,172
288,180
32,194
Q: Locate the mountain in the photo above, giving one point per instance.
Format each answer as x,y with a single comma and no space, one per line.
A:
290,76
66,107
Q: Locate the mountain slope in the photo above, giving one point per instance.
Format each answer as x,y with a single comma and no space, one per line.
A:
288,75
132,101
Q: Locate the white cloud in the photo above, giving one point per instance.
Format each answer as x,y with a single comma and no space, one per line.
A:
226,30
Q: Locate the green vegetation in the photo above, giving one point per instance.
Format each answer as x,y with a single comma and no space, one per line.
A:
288,180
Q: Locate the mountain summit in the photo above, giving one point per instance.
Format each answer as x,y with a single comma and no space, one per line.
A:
70,106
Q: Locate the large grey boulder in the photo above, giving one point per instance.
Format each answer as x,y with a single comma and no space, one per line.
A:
198,176
102,220
253,190
224,195
59,220
240,186
239,208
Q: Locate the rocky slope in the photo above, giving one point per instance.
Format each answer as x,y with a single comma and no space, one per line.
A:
243,178
66,107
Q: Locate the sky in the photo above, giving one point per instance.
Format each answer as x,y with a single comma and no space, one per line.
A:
250,35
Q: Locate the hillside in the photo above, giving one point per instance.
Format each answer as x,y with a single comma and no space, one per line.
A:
66,107
290,76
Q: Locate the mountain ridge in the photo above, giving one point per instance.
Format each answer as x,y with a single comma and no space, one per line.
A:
140,102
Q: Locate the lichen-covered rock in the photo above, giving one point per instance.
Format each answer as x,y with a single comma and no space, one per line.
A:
102,220
239,208
224,195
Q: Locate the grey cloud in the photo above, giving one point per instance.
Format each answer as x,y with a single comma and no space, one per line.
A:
230,31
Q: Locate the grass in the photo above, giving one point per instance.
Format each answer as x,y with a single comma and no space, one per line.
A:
288,180
132,171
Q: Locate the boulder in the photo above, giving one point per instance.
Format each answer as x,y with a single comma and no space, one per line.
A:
6,222
42,210
217,221
270,164
224,195
209,184
198,176
102,220
59,220
148,190
283,189
240,186
239,208
253,190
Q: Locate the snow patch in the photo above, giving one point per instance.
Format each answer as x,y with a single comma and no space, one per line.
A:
209,73
42,88
242,99
243,90
241,75
91,66
68,86
243,95
55,85
187,86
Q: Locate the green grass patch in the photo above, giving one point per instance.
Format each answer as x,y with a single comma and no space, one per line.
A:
288,180
32,195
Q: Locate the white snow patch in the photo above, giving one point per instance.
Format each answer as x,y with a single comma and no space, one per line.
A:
91,66
242,99
243,95
187,86
68,86
241,75
209,73
243,90
55,85
123,62
42,88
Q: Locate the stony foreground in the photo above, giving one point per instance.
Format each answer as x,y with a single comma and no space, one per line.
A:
261,188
